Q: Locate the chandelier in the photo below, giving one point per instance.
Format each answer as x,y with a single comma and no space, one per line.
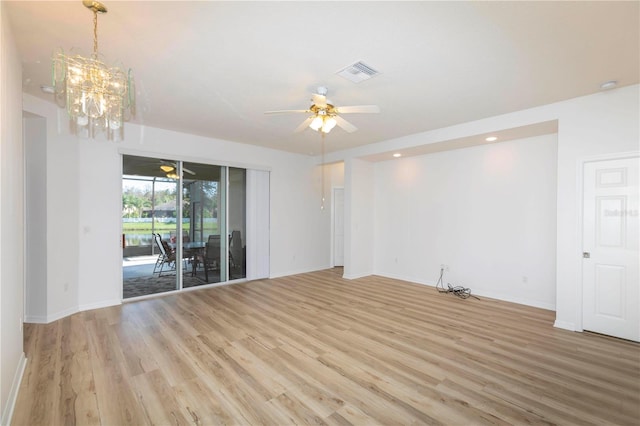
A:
97,97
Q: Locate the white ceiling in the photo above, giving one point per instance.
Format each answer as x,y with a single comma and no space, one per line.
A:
213,68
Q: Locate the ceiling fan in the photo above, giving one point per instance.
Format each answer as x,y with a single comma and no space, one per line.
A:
169,167
325,116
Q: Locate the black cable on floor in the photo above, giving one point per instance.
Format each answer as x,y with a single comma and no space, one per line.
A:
461,292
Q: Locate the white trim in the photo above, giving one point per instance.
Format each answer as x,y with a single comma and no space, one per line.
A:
298,272
7,413
98,305
479,293
199,160
184,290
35,319
565,325
62,314
615,156
355,277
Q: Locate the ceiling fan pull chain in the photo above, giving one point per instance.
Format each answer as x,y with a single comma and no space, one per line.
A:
322,134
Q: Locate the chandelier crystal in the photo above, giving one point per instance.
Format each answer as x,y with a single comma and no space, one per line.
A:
97,97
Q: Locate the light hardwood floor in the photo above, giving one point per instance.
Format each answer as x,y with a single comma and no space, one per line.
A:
315,348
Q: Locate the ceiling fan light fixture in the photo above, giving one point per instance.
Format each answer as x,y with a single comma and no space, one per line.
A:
317,123
166,168
172,175
329,123
98,97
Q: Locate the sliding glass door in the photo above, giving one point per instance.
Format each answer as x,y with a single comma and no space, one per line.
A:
204,224
178,239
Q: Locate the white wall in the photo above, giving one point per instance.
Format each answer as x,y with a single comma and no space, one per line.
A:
590,127
84,197
35,129
600,124
359,218
488,212
61,210
12,227
299,237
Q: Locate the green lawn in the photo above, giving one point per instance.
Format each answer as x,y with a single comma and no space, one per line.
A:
146,226
164,228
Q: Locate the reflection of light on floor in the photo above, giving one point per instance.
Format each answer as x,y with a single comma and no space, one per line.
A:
139,260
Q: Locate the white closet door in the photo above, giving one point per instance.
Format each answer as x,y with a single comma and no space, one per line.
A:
258,224
611,280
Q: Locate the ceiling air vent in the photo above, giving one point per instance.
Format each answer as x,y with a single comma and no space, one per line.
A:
357,72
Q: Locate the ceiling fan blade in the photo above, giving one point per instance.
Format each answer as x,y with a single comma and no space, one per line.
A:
304,124
287,111
319,100
345,125
358,109
189,171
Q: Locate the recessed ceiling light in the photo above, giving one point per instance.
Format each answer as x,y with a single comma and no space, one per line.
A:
491,139
397,155
608,84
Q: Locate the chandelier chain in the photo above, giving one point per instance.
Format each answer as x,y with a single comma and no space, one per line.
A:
95,33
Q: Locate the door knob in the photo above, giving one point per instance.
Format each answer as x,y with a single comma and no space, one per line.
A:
586,255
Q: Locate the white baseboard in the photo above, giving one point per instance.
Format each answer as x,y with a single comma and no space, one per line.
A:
64,313
98,305
565,325
297,272
7,412
518,300
35,319
489,294
354,276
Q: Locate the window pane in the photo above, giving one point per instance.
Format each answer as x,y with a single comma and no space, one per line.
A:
237,223
203,224
149,200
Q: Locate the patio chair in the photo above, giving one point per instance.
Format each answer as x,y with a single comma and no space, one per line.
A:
212,255
167,257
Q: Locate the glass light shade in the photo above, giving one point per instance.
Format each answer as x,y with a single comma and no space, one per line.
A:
97,98
316,124
329,123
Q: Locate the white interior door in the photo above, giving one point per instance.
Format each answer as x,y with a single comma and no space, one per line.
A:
610,268
338,227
